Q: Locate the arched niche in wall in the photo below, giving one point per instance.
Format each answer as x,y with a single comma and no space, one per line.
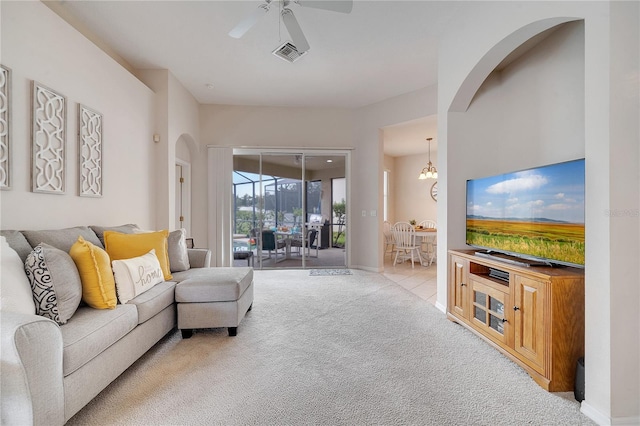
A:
186,148
496,55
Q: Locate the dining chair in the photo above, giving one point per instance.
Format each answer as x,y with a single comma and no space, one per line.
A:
405,242
428,246
388,238
428,224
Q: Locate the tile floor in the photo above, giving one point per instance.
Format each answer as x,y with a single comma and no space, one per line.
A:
420,280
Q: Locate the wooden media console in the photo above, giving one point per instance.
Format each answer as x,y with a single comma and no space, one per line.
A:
532,314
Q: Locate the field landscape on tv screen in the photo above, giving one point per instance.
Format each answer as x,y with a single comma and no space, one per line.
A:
537,212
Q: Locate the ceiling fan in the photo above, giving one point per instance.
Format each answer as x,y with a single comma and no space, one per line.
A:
289,19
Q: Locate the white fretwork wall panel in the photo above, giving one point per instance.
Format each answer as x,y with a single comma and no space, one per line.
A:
49,140
5,122
90,152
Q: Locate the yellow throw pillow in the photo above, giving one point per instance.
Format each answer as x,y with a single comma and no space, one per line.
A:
127,246
94,266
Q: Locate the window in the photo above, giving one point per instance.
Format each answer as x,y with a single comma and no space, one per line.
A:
385,195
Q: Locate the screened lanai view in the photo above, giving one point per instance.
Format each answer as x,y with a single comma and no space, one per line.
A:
289,210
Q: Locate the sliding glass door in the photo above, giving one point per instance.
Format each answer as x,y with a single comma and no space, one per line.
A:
284,211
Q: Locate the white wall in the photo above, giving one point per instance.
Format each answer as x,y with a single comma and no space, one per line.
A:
38,45
177,119
624,217
483,36
412,195
369,163
249,126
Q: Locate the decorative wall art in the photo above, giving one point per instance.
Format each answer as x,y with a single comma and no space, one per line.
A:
49,135
90,152
5,122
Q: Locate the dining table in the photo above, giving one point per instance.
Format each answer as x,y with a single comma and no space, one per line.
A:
429,237
287,236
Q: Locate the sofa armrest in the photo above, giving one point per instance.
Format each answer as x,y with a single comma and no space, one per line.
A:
199,257
31,389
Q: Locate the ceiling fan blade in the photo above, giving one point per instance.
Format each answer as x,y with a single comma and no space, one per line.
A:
297,36
249,21
342,6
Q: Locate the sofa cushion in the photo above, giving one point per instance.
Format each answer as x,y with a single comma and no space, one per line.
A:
125,246
55,282
94,266
15,288
220,284
18,242
155,300
124,229
91,331
62,238
137,275
178,254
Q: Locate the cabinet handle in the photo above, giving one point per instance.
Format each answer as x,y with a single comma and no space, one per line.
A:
462,284
504,320
515,308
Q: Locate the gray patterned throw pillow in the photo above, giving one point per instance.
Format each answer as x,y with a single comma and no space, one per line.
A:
55,282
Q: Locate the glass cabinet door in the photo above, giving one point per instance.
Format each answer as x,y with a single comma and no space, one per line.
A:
488,309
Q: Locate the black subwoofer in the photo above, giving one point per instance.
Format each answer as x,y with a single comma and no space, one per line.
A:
578,387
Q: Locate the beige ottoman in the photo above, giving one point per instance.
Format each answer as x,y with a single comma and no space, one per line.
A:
214,297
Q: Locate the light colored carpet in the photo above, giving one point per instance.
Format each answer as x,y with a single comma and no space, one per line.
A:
348,350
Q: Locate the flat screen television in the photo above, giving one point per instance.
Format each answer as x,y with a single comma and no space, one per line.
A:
536,214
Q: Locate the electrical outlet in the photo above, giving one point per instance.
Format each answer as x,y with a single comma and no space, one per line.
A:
373,213
364,213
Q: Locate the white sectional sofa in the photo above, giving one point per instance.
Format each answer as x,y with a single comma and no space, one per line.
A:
50,371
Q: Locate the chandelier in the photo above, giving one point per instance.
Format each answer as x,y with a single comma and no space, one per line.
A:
430,171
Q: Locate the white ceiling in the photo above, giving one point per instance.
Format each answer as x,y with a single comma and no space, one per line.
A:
380,50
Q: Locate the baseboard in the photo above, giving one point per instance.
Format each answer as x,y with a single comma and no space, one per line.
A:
604,420
441,307
594,414
367,268
625,421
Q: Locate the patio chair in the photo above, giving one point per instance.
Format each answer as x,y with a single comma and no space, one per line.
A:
271,243
311,238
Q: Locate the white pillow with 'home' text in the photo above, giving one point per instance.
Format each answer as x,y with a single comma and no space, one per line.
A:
137,275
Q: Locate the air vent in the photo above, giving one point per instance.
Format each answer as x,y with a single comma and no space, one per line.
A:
288,52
